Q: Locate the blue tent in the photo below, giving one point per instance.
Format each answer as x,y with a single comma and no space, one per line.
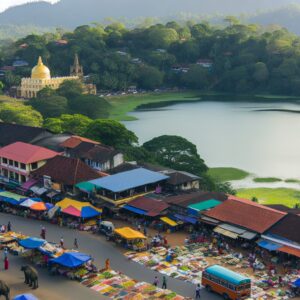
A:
89,212
25,297
31,243
271,246
71,259
297,283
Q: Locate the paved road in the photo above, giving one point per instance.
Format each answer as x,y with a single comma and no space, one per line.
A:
100,250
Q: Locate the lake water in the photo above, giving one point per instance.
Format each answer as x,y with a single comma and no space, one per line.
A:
231,134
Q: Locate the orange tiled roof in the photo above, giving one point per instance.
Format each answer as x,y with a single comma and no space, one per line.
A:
76,140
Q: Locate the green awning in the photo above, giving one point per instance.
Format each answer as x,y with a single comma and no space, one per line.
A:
205,205
85,186
11,195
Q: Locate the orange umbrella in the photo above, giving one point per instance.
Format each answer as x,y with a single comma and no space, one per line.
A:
40,206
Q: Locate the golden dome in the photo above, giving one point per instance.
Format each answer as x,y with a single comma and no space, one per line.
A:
40,71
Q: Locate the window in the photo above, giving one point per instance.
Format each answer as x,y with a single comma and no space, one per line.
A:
11,162
16,164
4,160
23,178
23,166
34,166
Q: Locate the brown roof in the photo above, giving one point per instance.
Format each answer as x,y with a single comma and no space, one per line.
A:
179,177
288,227
75,140
153,206
65,170
187,199
246,213
295,211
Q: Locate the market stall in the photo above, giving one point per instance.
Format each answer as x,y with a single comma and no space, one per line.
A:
130,238
115,285
73,265
76,214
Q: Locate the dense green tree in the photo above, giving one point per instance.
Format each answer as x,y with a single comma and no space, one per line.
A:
149,78
89,105
53,124
161,37
76,124
197,78
261,72
176,152
70,89
52,106
112,133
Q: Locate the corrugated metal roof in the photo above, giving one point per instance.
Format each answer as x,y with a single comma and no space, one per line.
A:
128,180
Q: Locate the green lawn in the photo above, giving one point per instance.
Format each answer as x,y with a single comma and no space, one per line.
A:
266,179
284,196
121,105
227,174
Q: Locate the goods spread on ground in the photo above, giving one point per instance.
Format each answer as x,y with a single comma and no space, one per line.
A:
188,262
119,286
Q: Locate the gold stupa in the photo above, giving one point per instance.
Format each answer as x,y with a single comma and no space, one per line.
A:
40,71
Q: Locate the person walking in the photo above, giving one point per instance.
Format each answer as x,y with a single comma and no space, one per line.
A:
156,281
164,283
5,253
43,233
8,226
62,242
75,243
198,288
6,263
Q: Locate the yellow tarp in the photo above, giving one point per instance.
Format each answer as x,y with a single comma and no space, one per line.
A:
228,233
169,221
77,204
129,233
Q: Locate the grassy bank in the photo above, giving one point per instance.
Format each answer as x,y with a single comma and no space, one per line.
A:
227,174
284,196
121,105
267,179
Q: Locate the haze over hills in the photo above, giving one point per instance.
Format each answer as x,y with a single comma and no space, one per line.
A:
72,13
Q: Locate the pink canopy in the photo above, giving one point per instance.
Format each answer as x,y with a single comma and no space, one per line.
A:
71,210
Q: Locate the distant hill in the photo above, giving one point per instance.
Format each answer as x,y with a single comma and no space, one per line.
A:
71,13
288,17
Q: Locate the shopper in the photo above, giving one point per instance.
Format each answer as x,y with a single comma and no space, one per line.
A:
198,288
164,283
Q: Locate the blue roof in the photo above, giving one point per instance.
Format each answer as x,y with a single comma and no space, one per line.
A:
228,275
31,243
128,180
135,210
89,212
185,219
269,245
71,259
25,297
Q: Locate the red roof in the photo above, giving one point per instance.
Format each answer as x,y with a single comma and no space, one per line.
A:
26,153
246,213
153,206
75,140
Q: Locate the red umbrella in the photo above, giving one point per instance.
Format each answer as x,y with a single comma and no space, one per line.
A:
73,211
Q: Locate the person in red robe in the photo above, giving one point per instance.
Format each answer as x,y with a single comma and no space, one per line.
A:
6,264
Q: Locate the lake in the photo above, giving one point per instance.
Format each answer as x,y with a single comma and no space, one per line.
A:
244,135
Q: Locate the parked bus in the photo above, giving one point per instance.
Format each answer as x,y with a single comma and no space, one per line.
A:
227,283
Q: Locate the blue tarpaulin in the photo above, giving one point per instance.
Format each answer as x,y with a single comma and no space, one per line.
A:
71,259
128,180
185,219
134,209
89,212
269,245
297,282
10,201
32,243
25,297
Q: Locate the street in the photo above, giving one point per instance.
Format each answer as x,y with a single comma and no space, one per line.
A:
100,250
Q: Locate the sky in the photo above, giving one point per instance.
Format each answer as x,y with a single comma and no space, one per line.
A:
4,4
